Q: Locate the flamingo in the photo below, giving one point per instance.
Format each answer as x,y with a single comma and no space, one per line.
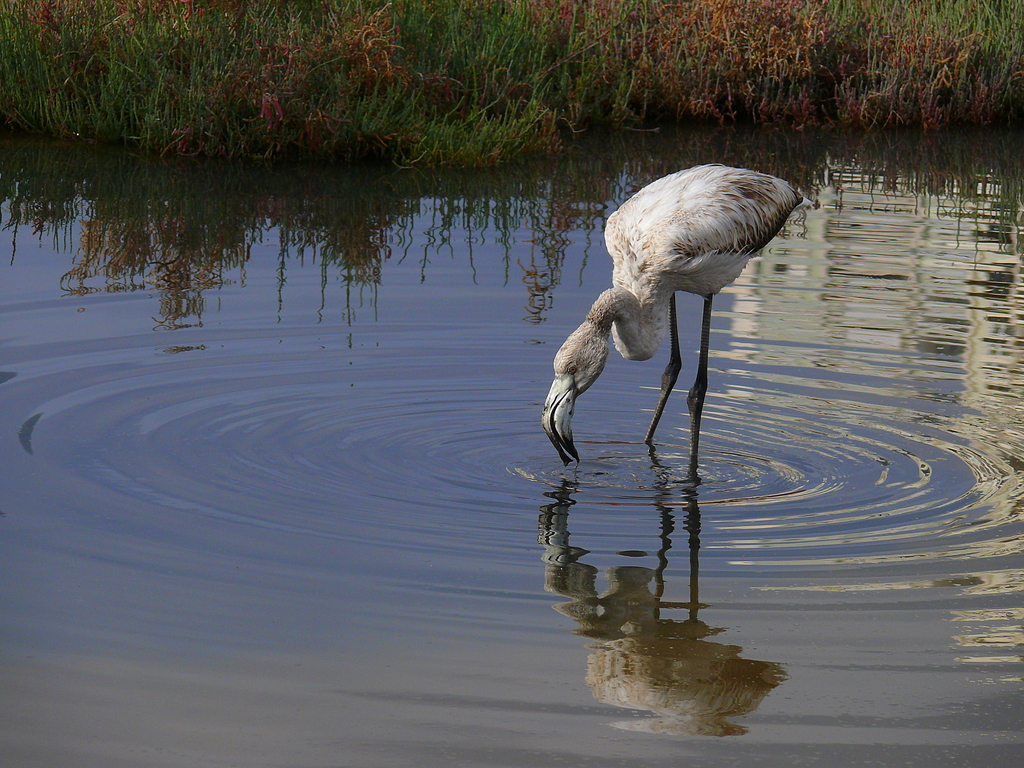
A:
695,231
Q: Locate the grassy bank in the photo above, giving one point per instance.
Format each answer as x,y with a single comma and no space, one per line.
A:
443,81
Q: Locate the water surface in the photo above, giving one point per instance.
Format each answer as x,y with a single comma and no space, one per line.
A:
276,492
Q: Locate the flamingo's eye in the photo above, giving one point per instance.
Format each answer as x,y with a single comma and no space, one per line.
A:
572,369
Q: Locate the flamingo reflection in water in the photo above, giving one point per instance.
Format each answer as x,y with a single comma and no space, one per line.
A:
692,231
641,659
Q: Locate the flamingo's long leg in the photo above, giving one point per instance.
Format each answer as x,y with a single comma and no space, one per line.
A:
695,397
675,364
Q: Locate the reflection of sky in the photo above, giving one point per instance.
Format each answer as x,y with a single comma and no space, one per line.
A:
202,569
332,483
997,635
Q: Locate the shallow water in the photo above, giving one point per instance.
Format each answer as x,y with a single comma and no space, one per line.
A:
276,493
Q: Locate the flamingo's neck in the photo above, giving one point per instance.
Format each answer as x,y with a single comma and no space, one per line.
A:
637,328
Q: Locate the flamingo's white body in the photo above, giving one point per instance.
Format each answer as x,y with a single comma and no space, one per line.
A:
692,231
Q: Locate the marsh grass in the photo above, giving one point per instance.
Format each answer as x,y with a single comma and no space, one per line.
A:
448,81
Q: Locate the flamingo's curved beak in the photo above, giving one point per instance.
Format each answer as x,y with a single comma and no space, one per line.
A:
557,416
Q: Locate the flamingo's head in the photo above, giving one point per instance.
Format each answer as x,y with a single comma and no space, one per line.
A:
577,365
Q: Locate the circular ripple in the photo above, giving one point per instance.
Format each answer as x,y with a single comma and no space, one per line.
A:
395,449
787,480
390,453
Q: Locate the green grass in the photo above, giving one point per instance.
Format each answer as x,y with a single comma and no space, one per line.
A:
443,81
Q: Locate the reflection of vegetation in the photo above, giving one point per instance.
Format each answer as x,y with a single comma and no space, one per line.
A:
182,228
641,659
